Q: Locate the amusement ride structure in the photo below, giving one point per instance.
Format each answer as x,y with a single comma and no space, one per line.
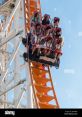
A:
22,84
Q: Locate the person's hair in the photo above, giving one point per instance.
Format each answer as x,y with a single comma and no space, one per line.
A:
38,24
56,19
48,27
46,16
36,14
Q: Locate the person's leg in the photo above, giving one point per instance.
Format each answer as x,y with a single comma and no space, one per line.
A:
33,49
25,55
57,63
24,41
52,55
42,52
35,55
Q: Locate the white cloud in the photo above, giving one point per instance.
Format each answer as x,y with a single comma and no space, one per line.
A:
55,9
69,46
69,22
69,71
80,34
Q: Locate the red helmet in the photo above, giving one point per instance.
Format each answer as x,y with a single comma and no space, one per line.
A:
56,19
59,41
48,27
36,13
58,51
38,25
57,29
48,38
46,15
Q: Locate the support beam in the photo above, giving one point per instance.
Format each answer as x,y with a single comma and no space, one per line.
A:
19,83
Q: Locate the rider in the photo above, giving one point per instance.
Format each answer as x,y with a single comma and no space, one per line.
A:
59,43
46,49
36,17
38,29
56,22
46,20
57,53
57,31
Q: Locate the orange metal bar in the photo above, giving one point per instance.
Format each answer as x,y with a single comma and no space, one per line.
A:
46,106
40,77
9,27
41,87
44,98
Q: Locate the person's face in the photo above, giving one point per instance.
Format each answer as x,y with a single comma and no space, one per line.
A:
49,41
37,15
56,23
45,51
48,18
59,55
38,27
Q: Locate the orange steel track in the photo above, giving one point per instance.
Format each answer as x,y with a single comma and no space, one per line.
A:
43,89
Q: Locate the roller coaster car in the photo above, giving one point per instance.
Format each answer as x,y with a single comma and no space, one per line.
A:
40,52
39,56
44,62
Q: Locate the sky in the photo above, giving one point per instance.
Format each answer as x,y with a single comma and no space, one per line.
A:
68,78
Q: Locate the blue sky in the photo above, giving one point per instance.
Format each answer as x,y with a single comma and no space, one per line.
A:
68,79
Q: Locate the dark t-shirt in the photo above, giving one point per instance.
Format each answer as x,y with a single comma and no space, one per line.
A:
44,22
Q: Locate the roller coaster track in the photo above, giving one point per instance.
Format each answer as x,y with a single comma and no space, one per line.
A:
44,95
40,77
